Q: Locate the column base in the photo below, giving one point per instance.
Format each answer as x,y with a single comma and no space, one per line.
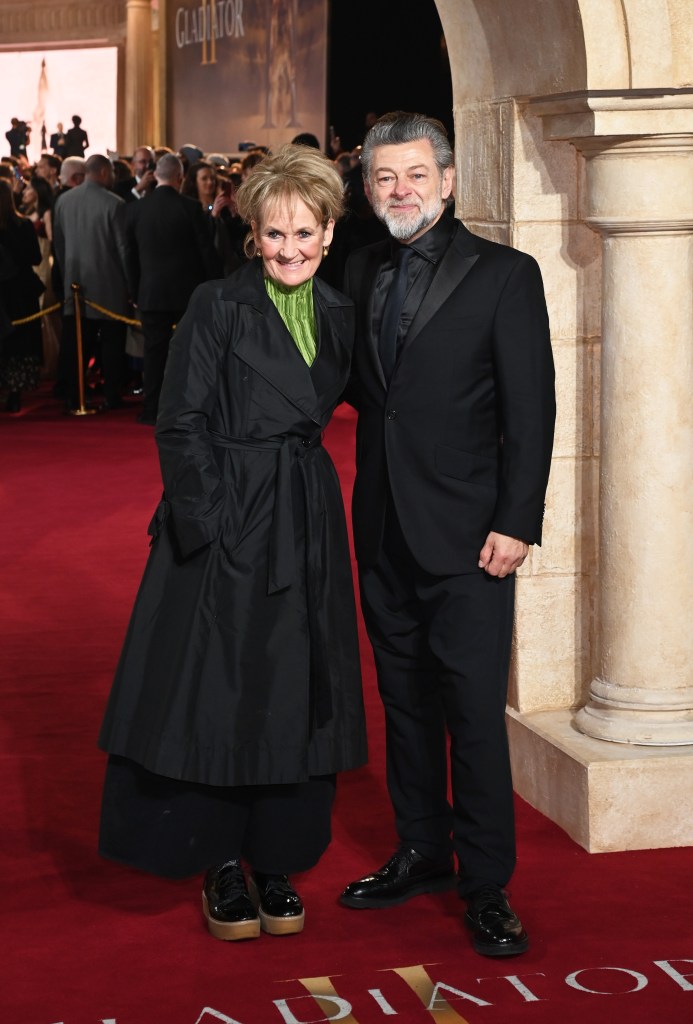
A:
650,728
606,796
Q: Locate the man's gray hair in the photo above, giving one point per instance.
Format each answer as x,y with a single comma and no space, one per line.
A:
399,127
169,167
71,165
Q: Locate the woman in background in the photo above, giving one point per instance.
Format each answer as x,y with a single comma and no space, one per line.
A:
37,203
217,194
201,183
20,288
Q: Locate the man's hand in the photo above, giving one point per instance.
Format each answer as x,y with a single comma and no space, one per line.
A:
502,555
146,183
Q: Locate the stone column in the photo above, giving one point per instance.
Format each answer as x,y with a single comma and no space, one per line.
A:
640,198
139,76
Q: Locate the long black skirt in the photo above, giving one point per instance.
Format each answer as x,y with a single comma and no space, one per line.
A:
178,829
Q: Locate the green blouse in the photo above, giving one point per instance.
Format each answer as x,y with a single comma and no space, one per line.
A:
295,306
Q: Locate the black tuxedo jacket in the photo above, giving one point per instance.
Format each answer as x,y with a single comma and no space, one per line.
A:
462,436
58,144
173,249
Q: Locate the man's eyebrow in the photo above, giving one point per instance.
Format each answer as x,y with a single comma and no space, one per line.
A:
414,167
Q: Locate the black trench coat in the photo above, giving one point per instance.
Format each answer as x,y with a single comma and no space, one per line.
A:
241,665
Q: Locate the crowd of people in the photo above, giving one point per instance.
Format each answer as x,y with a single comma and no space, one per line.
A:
122,358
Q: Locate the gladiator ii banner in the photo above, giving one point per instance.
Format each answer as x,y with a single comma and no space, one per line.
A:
242,71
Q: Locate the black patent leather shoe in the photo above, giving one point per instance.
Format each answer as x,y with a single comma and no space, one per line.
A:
226,904
406,874
496,928
279,905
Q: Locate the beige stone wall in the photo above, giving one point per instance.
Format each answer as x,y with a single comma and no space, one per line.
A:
550,101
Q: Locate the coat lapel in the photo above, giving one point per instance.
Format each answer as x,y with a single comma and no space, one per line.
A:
334,322
458,260
267,346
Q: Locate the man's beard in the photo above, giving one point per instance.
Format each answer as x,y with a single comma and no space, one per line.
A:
405,226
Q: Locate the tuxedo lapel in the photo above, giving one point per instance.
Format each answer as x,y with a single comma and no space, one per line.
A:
371,267
458,260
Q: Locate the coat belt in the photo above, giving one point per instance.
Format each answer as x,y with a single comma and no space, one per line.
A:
282,554
282,545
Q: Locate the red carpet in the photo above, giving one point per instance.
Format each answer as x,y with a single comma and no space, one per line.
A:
84,941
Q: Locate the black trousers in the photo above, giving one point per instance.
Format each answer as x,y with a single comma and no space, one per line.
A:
157,328
178,829
103,338
442,653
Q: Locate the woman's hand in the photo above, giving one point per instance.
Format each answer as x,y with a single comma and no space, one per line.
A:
224,201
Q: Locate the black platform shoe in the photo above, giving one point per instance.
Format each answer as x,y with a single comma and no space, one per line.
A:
226,904
279,905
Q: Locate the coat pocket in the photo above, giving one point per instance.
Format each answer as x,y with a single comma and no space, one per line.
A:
470,467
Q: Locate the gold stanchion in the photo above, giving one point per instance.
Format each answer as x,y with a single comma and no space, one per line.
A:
82,410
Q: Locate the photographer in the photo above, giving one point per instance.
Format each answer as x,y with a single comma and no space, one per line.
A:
143,181
18,137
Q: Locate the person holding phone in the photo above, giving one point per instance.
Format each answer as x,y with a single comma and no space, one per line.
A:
143,181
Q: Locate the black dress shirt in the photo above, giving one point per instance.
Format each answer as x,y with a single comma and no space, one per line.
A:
428,250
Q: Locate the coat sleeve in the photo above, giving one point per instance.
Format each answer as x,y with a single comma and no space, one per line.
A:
210,260
132,253
122,240
193,486
523,363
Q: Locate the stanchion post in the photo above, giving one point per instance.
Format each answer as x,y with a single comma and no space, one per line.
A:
82,410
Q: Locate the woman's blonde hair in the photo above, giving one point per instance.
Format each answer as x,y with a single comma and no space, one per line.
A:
293,172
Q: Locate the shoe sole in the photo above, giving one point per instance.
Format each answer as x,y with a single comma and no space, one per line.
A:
271,924
230,931
375,903
282,925
496,951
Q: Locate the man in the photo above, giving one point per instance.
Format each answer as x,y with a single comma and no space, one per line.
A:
143,181
453,380
91,250
58,142
76,139
71,173
173,251
18,137
48,167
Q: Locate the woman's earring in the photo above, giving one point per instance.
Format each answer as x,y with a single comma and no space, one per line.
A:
258,254
325,251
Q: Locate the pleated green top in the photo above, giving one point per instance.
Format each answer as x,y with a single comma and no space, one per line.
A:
295,307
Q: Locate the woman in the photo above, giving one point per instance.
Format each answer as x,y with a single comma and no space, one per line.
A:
238,696
20,345
201,183
218,197
37,204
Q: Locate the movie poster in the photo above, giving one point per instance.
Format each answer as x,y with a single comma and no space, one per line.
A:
244,71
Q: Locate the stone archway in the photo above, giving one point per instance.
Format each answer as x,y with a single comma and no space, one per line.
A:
574,120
